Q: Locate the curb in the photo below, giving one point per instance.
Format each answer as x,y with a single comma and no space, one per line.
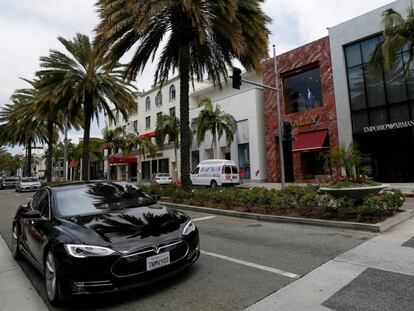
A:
378,227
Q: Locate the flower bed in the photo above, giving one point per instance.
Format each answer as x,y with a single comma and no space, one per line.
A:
293,201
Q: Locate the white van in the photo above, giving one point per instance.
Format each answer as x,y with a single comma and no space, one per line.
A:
215,173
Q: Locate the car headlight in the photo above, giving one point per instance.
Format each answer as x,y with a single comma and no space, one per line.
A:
190,227
82,251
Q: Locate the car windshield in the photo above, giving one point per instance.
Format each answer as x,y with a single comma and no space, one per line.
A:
26,179
10,179
97,198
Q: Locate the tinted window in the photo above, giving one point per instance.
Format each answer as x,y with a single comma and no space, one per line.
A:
36,199
43,206
303,91
227,170
96,198
234,170
28,179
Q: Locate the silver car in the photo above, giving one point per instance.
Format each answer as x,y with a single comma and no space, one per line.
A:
8,182
162,179
28,184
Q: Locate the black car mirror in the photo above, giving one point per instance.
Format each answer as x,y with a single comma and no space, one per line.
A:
32,215
156,198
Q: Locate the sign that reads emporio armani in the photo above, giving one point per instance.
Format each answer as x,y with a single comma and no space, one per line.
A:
388,127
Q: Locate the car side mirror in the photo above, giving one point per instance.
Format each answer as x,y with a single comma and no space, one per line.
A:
32,215
156,198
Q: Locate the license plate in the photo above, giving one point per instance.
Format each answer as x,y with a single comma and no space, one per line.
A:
158,261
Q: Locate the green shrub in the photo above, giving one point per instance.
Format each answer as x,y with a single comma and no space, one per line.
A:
371,208
392,200
344,206
307,202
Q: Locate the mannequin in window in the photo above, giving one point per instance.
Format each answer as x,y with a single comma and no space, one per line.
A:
310,99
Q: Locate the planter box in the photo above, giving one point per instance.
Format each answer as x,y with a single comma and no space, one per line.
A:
357,193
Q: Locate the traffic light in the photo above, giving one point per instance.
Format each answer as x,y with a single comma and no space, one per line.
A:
237,80
287,131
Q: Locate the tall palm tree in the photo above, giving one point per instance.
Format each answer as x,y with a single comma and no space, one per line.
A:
82,77
214,120
398,32
113,141
144,146
169,125
19,126
201,37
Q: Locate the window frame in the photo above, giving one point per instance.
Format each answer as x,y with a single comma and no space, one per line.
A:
148,104
147,122
172,91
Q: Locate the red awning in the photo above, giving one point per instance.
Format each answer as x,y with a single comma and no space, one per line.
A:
310,141
73,163
117,159
148,135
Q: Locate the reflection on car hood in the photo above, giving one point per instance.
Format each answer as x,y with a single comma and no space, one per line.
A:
128,230
30,183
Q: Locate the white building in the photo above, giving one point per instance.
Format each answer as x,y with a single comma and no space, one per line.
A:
247,149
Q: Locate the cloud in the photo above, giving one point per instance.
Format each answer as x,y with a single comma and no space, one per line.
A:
30,28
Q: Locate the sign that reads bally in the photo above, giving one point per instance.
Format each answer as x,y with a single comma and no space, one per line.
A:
388,127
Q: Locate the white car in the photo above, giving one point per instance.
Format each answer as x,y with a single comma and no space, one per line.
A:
28,184
215,173
162,179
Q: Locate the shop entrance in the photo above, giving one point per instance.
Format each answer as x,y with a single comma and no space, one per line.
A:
390,154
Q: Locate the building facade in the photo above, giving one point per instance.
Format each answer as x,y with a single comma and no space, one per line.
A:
308,114
374,109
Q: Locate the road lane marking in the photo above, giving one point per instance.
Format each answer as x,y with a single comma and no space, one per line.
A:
203,218
253,265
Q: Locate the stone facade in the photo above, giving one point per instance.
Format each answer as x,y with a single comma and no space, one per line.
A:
316,53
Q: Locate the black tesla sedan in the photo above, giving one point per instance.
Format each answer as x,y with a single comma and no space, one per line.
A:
98,237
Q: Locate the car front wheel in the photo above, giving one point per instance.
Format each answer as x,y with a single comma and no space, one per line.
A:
51,279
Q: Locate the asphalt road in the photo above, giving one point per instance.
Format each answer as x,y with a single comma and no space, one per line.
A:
242,262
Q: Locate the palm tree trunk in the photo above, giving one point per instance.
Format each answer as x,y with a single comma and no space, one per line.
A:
49,150
29,159
184,70
86,136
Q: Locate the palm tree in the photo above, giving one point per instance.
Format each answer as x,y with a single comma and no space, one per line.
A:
214,120
82,77
201,37
19,126
113,141
398,32
169,125
142,145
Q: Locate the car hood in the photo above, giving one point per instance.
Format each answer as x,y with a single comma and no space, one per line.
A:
128,230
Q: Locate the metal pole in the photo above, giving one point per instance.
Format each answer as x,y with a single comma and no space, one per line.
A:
65,151
279,117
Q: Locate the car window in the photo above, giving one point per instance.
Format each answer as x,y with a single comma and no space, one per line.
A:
234,170
227,170
196,170
98,198
43,206
36,200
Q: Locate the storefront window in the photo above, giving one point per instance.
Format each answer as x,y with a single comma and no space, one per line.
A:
359,120
163,166
394,79
303,91
353,55
399,113
378,116
244,160
356,88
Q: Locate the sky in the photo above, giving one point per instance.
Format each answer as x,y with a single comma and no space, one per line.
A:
29,29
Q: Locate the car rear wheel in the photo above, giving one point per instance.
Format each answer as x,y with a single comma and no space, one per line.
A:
15,244
213,184
51,280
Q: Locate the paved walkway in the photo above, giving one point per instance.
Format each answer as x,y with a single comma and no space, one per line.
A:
16,291
376,275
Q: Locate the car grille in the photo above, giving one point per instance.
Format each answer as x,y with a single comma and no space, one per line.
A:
136,263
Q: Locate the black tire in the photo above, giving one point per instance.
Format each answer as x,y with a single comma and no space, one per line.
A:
50,272
213,184
17,255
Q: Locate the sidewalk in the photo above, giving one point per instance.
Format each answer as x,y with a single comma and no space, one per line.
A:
16,291
376,275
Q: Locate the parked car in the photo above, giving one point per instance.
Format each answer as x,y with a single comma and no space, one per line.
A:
28,184
8,182
215,173
99,237
162,179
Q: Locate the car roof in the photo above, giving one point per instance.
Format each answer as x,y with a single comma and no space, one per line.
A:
82,184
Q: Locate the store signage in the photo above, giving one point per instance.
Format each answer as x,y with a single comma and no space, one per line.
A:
388,127
304,120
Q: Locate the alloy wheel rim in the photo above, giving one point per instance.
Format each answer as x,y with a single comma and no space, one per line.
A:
14,241
50,276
